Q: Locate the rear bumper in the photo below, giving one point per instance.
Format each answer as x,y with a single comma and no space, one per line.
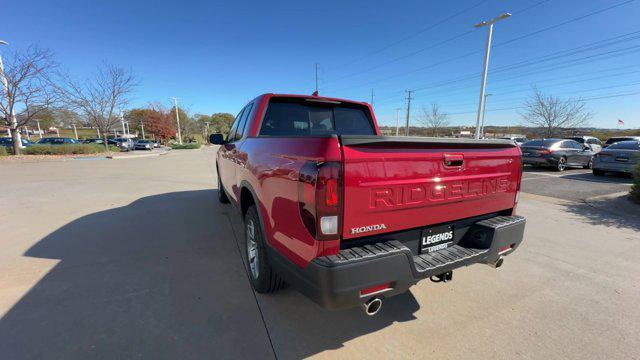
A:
335,281
614,166
543,161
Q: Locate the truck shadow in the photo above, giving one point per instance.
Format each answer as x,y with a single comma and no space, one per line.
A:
162,278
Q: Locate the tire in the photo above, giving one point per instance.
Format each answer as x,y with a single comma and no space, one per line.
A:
589,164
597,172
562,164
222,195
263,278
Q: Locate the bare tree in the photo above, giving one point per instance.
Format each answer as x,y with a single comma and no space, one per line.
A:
434,118
552,113
26,90
100,98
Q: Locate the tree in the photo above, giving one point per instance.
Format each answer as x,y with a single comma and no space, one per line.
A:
100,98
552,113
221,123
26,90
434,118
160,122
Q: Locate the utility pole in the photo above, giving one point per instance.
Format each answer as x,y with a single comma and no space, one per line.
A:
316,78
12,115
484,109
397,120
142,127
75,131
124,130
175,101
486,66
207,137
406,130
39,130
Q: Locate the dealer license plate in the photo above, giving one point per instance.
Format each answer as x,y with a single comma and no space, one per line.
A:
436,238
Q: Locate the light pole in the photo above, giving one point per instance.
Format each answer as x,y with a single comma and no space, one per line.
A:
12,115
398,120
486,66
75,131
484,110
206,139
142,127
39,130
175,101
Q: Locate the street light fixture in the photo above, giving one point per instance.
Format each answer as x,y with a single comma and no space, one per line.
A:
486,66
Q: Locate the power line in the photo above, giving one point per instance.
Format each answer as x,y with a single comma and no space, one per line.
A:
412,35
547,57
606,96
500,44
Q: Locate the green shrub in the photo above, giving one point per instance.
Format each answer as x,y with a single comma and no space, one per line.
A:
185,146
65,149
635,188
3,151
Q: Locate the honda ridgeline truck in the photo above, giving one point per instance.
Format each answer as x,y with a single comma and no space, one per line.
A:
348,216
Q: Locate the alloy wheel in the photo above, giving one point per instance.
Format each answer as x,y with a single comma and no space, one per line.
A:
252,249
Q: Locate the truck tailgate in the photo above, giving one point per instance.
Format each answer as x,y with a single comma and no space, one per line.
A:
399,183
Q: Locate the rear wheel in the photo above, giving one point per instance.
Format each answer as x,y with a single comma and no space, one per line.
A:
263,278
597,172
589,164
562,164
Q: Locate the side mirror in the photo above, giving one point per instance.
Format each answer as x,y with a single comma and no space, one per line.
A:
216,139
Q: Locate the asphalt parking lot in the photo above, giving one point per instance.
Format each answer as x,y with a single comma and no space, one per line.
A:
135,258
572,184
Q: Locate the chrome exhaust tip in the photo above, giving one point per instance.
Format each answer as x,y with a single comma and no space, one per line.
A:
496,264
372,306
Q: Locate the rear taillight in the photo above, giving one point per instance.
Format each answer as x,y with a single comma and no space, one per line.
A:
546,151
319,197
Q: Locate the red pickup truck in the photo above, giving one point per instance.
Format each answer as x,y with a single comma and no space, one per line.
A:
349,216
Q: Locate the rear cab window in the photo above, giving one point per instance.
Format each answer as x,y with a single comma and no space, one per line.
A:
308,117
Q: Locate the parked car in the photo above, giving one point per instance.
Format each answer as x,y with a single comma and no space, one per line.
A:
124,144
156,143
518,139
614,140
143,145
8,142
592,142
619,157
557,153
349,216
93,141
58,141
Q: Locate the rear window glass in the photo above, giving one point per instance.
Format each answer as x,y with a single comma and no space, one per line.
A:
625,145
616,139
544,143
578,139
299,118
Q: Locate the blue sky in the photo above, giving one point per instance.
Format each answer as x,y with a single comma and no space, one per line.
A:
215,56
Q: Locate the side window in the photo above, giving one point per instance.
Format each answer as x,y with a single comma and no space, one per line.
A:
232,132
243,122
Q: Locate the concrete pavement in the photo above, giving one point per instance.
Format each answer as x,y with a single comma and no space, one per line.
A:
135,258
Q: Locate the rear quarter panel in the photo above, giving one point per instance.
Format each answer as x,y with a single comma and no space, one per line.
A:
273,168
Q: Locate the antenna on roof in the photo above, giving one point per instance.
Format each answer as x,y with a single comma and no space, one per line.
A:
315,93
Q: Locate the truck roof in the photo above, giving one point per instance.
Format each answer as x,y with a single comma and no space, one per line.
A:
316,97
